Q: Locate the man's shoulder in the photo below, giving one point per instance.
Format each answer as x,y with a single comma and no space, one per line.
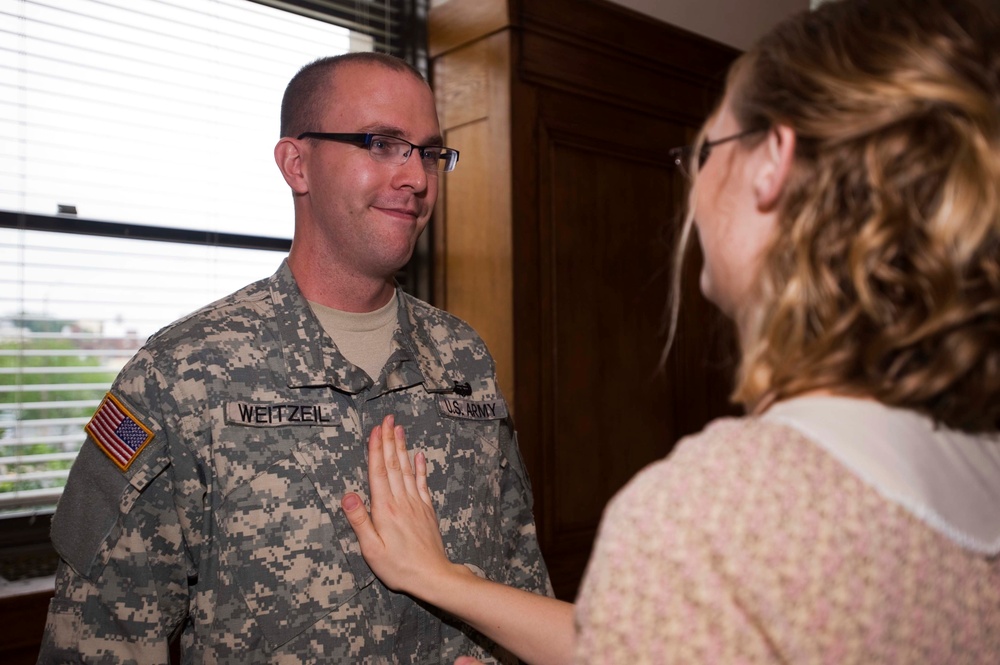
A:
448,348
431,318
232,316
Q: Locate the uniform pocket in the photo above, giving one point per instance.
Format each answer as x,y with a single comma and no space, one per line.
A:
282,548
63,630
471,495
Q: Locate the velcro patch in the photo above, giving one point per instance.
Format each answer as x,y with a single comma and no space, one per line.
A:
118,433
472,409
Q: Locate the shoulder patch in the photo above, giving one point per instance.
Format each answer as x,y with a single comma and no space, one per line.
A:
117,432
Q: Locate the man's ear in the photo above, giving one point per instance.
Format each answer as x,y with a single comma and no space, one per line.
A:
779,151
288,157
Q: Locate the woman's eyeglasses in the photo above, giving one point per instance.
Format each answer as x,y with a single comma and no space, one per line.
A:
681,157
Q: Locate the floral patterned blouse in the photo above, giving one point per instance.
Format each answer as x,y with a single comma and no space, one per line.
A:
752,543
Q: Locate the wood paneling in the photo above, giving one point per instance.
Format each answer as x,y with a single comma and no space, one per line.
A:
472,231
457,23
562,239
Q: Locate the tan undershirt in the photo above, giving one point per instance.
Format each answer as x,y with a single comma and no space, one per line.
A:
363,338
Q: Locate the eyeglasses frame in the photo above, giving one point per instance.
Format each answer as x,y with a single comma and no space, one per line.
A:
681,156
364,140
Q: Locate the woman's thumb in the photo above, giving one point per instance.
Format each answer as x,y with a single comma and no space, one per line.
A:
354,508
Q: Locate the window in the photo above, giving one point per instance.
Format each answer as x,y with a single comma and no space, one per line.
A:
137,184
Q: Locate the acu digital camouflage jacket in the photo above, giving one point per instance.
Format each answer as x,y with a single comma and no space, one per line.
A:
226,524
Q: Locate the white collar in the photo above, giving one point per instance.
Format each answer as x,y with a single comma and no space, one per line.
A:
948,479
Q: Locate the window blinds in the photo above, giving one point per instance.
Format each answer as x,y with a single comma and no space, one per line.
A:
136,184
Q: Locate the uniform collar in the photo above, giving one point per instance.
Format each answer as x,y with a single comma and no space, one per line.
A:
425,340
311,358
424,350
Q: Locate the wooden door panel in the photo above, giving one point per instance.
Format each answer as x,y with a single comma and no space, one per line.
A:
610,206
610,405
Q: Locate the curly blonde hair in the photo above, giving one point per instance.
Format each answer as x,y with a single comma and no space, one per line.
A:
882,279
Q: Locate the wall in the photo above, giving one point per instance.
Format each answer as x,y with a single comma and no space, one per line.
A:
736,23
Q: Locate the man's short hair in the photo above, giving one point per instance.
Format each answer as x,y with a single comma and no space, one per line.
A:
307,94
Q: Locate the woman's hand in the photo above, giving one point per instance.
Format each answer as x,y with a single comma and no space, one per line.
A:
400,540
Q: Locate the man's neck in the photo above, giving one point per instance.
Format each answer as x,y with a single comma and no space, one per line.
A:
339,290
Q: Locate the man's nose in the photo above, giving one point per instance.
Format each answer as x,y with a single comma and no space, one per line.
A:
412,173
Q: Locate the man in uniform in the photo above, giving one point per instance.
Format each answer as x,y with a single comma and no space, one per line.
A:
205,503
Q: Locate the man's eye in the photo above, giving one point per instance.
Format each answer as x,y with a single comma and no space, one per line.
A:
380,144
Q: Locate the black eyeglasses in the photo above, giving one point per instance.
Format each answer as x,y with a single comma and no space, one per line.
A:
394,150
681,157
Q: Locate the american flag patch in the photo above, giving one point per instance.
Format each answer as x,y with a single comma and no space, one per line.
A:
119,434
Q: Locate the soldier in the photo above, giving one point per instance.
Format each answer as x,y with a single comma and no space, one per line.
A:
205,503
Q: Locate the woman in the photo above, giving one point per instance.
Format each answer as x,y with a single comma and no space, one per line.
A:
847,201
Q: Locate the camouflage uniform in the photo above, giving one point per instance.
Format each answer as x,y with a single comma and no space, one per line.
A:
227,524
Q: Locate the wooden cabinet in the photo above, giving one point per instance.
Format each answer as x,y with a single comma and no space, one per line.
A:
554,238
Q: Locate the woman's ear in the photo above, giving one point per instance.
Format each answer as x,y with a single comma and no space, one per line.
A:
779,151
